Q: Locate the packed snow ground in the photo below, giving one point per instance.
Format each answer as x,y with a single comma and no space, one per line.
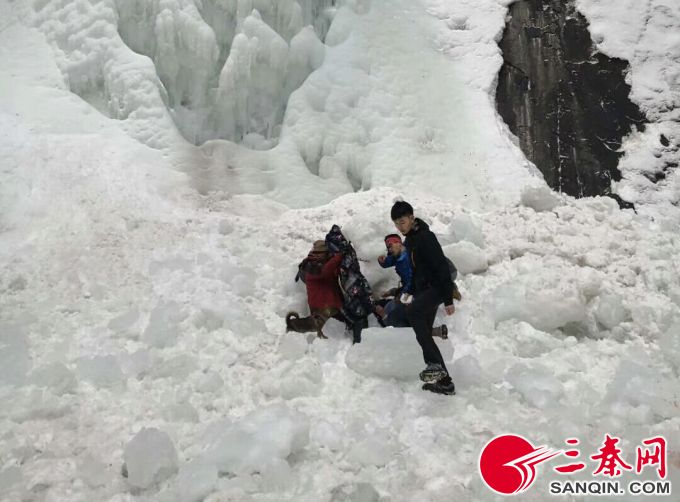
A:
141,320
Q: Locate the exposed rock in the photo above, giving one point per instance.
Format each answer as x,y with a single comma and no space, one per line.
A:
567,103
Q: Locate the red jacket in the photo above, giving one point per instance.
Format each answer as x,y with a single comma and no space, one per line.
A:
322,289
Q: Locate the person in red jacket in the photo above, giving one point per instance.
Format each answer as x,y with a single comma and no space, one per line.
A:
320,273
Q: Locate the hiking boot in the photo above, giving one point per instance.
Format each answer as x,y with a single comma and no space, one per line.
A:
441,331
432,373
456,293
441,386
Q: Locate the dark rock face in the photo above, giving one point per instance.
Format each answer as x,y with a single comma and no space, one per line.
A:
567,103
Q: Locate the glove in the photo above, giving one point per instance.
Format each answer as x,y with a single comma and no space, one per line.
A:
406,299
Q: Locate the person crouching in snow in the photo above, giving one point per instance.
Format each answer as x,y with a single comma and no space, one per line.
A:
432,286
393,311
320,275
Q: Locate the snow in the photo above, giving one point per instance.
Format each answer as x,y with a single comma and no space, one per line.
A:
355,492
14,355
144,280
540,198
646,34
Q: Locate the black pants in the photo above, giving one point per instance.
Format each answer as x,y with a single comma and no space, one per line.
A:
357,326
420,314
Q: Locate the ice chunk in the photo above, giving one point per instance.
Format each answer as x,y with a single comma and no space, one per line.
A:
527,340
326,434
136,364
376,450
465,229
355,492
225,227
180,412
274,476
590,282
467,257
540,198
209,319
266,434
294,379
93,471
57,377
466,372
14,357
547,300
195,481
150,457
669,343
209,382
391,353
162,329
640,385
610,311
180,366
124,323
101,371
11,482
36,404
536,383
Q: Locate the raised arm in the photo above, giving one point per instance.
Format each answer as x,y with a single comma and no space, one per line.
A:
387,261
330,268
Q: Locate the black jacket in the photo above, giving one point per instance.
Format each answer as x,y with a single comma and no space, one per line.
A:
430,268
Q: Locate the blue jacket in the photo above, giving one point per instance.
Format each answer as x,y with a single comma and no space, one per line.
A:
403,265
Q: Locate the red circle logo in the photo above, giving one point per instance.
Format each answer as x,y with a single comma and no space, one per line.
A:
507,463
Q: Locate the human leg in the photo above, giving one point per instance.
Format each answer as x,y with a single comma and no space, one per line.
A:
397,316
421,314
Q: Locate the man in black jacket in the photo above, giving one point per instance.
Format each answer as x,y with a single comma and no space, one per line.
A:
433,286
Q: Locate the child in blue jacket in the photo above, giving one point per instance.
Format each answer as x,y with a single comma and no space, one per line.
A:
399,258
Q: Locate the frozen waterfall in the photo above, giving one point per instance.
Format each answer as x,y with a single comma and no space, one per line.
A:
224,69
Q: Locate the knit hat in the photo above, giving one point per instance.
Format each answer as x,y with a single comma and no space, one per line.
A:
319,247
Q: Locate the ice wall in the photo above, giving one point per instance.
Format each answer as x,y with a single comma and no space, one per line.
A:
228,66
222,68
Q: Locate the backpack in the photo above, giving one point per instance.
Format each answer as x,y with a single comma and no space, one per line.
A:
356,291
300,276
452,270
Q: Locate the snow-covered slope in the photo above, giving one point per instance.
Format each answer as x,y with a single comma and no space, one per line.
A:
129,299
647,34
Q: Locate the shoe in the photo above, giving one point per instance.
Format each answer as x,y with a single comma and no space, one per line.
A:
442,386
432,373
456,293
441,331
